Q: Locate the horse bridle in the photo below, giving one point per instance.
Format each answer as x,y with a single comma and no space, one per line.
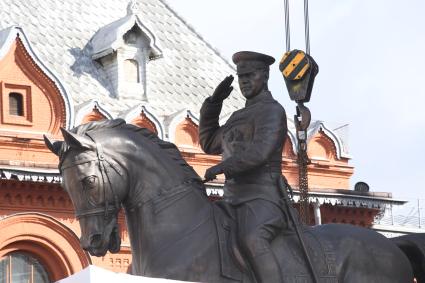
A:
104,163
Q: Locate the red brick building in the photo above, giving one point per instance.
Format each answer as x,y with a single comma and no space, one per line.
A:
65,63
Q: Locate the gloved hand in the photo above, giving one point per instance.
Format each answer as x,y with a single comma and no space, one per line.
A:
223,90
212,172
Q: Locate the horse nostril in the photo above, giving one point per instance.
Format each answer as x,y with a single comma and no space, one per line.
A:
95,240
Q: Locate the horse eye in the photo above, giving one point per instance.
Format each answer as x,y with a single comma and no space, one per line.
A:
89,182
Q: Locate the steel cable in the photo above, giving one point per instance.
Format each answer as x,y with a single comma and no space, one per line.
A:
307,28
287,29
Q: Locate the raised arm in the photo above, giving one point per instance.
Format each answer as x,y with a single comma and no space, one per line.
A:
210,133
209,129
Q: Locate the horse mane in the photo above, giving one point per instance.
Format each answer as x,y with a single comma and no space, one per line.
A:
97,125
169,148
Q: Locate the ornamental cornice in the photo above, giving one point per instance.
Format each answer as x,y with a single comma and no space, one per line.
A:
335,198
31,175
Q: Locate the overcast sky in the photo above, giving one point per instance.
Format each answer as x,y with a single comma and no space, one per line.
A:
372,73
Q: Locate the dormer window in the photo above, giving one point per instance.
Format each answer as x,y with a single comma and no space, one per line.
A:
123,48
131,71
16,104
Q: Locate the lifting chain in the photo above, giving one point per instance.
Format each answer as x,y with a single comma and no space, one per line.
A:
302,121
303,161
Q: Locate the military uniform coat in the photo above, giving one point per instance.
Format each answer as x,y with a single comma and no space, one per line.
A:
251,144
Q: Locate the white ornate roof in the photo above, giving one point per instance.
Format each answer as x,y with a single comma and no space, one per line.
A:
59,32
64,38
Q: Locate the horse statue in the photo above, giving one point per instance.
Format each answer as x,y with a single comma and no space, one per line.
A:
176,232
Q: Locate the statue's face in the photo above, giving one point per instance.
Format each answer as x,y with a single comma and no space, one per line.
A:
251,84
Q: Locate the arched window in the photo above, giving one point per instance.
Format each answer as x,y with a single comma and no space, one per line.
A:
131,71
22,268
16,104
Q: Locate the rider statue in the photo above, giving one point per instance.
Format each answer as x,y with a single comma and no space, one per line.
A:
251,144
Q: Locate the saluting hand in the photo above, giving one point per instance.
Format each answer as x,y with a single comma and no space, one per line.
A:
223,90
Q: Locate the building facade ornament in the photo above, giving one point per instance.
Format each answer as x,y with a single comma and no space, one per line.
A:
140,112
55,245
84,110
16,34
173,122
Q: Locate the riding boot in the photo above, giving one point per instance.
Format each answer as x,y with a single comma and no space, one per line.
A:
266,268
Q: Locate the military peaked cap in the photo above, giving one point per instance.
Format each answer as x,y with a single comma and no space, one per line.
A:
249,61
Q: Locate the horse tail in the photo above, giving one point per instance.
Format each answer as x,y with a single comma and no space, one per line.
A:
413,246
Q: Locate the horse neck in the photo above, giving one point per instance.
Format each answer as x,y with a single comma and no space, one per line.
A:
152,170
165,201
155,226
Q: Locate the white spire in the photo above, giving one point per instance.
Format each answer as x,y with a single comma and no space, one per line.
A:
132,7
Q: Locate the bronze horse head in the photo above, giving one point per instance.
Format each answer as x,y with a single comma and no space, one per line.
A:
98,191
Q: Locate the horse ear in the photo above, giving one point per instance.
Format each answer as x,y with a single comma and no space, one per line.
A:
76,141
54,146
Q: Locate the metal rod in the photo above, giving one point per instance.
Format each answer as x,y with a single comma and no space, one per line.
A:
287,29
307,27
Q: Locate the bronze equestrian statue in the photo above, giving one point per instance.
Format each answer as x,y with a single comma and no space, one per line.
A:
251,143
177,233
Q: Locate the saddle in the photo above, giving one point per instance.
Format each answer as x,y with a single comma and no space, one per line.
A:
286,247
